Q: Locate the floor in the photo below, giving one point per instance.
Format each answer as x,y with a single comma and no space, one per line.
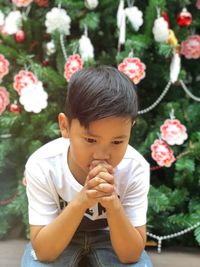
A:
11,251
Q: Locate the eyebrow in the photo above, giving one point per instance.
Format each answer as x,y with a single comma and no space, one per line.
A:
97,136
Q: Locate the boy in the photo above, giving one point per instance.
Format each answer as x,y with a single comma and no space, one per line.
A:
87,190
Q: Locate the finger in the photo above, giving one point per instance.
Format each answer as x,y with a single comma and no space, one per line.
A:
100,168
105,188
101,178
95,194
102,163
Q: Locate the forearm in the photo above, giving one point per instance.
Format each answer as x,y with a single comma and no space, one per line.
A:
127,241
51,240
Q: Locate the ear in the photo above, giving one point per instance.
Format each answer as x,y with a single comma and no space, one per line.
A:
64,125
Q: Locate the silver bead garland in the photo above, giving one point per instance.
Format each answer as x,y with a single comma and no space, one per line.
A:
184,87
157,101
188,92
62,44
161,238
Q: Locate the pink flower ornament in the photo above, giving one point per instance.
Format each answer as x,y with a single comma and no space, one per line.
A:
198,4
73,64
4,99
133,68
4,64
23,79
22,3
173,132
162,153
191,47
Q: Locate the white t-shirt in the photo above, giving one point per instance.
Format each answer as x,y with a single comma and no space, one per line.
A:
51,185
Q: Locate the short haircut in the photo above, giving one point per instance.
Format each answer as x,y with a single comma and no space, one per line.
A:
100,92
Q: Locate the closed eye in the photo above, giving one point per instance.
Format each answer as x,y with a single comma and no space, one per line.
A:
117,142
90,140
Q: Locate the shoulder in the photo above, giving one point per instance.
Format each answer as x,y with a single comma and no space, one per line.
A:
48,151
132,160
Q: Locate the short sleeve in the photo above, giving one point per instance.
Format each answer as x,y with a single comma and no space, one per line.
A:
135,200
42,205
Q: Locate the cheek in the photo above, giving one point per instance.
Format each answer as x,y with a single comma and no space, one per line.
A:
118,155
79,152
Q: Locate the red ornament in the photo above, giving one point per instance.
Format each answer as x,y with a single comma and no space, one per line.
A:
45,62
166,18
14,108
42,3
184,18
20,36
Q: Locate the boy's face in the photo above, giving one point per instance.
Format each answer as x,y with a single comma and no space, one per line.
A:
104,140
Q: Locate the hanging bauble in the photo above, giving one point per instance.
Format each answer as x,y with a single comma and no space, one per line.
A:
135,16
160,30
50,48
20,36
45,62
133,68
175,67
172,38
184,18
14,107
91,4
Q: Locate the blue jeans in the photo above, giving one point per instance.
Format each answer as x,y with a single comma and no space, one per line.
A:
95,246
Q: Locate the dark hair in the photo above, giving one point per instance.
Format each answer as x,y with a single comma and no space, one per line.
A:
100,92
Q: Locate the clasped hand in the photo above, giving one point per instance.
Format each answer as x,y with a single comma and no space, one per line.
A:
99,185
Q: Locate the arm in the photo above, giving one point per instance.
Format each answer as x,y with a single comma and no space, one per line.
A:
127,241
50,240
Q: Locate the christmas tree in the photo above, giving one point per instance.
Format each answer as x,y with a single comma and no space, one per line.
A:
156,43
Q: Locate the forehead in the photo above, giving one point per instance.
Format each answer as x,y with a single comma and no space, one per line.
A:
110,127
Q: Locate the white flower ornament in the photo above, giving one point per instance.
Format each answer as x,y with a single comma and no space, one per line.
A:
33,97
13,22
58,20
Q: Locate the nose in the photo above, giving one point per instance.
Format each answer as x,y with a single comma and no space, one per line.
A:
101,154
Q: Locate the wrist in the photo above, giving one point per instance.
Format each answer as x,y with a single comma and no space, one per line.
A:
78,203
113,205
